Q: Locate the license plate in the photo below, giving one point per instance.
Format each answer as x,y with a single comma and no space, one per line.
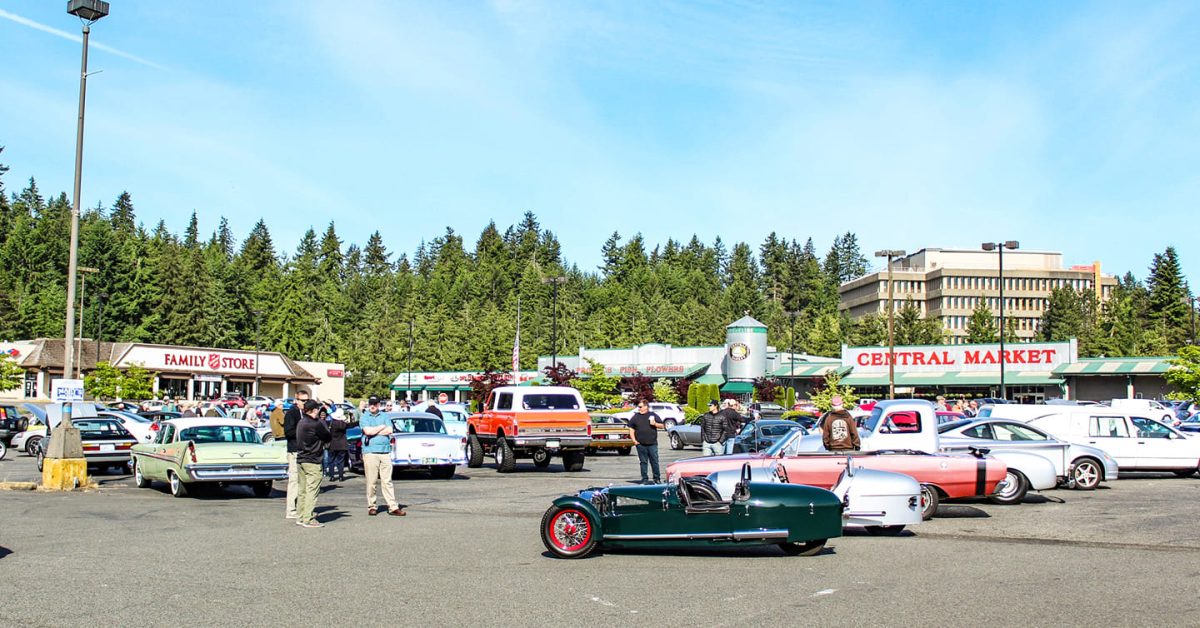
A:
614,437
107,448
428,460
552,444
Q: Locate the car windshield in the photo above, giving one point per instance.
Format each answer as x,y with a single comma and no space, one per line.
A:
454,415
132,417
419,426
788,445
219,434
873,420
100,429
549,401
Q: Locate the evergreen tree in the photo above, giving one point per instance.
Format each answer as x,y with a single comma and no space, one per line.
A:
1168,294
912,328
982,327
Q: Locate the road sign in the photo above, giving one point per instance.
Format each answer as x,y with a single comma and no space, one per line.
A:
66,390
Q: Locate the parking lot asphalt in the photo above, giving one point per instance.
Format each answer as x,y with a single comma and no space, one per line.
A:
469,553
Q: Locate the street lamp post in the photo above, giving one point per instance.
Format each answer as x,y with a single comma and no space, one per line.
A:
792,339
554,282
66,445
408,394
100,299
999,248
891,254
257,348
1191,301
84,271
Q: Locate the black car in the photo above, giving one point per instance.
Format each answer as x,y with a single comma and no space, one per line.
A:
760,435
12,422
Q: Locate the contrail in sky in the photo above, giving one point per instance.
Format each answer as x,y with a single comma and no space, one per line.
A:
76,38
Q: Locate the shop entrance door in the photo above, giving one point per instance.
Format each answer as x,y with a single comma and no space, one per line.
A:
208,389
173,388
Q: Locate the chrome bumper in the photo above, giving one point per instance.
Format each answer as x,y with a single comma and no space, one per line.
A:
236,472
564,442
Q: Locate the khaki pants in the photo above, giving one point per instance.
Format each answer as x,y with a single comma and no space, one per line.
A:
293,486
378,468
310,485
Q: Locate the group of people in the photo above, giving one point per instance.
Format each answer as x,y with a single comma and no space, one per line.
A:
969,409
317,449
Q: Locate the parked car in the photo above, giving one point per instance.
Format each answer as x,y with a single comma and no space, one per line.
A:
948,416
530,422
1076,466
689,512
766,410
1147,408
233,400
13,421
208,450
669,413
882,502
106,443
760,435
1191,424
137,425
610,433
454,415
420,441
683,435
1137,443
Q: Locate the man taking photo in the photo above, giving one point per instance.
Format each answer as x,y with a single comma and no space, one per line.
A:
290,420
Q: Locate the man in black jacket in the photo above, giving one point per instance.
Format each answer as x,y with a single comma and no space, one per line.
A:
311,436
713,431
733,423
290,420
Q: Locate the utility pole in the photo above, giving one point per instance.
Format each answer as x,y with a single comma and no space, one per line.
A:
84,271
554,282
408,394
999,248
257,349
891,254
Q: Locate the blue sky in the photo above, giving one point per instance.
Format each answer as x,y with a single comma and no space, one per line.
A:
1067,126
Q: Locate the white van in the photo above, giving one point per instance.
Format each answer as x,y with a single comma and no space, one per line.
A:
1137,443
1145,407
1019,411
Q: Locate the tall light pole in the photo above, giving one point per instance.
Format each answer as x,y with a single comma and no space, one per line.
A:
554,282
84,271
65,467
1191,301
891,254
792,339
999,248
408,394
257,348
100,299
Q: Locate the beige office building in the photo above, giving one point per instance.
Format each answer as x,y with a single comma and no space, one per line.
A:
948,283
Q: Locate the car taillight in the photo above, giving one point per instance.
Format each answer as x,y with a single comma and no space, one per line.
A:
154,427
516,427
192,451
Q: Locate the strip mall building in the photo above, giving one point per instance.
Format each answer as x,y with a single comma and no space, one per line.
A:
179,372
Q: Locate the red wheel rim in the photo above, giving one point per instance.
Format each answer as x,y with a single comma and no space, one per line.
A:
570,530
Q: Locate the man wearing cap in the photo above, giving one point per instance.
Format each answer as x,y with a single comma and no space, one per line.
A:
838,431
713,431
733,422
377,458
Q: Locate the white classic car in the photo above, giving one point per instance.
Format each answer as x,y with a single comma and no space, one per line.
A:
883,502
454,415
421,441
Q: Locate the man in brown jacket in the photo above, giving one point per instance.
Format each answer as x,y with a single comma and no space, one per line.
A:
277,420
839,432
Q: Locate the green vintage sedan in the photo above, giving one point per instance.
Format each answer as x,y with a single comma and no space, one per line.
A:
209,450
690,513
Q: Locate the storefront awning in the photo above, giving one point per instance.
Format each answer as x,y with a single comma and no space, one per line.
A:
986,378
1115,366
738,388
807,369
712,378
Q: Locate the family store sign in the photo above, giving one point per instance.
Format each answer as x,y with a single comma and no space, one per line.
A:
201,360
1044,356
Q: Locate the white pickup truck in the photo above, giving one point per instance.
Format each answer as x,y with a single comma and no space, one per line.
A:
911,424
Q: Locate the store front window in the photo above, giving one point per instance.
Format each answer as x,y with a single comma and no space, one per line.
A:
208,389
173,388
245,389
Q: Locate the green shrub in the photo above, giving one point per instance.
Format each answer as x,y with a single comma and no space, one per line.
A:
691,415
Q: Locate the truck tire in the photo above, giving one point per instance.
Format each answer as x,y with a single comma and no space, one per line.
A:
506,462
541,458
569,532
573,461
474,452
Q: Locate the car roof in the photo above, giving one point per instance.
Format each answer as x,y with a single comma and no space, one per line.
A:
410,415
182,423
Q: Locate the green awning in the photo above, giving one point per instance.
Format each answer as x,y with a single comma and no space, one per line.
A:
985,378
1115,366
694,369
417,388
738,388
807,369
714,378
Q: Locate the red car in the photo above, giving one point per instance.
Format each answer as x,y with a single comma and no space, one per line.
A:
233,400
942,476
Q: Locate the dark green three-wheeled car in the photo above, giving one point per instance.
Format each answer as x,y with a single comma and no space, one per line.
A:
690,513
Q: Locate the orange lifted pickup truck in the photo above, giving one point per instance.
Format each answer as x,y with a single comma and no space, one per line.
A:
536,422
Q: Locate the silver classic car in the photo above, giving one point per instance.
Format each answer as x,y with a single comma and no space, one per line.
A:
1077,466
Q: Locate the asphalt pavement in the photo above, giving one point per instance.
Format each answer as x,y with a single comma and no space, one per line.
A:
469,553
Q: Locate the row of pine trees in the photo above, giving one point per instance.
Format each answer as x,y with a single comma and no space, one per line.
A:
323,299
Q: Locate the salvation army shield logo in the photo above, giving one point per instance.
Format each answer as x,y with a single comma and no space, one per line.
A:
214,361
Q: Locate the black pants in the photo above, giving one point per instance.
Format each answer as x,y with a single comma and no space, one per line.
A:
649,453
336,464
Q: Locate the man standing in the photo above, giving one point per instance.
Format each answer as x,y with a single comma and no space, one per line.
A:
972,410
377,458
643,429
839,433
338,447
733,423
311,436
291,419
712,431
